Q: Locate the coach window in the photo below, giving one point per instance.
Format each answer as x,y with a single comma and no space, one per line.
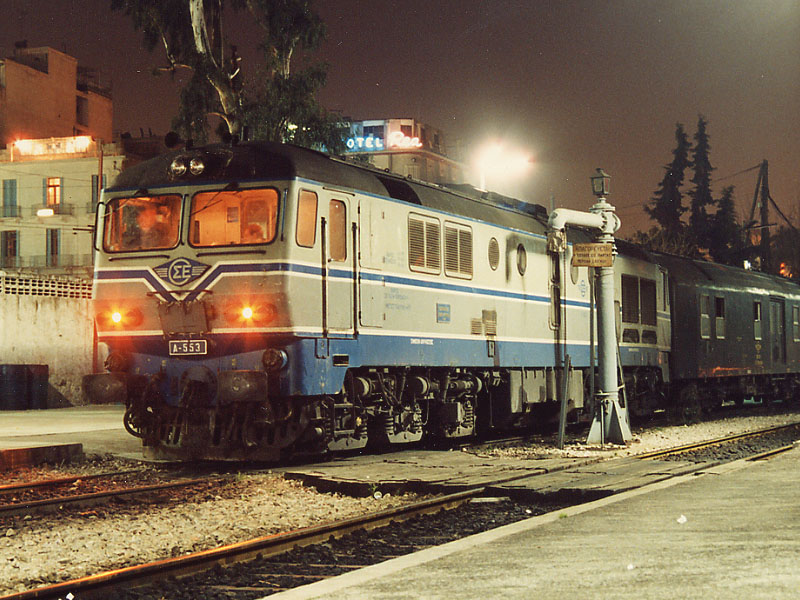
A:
719,321
306,219
337,246
705,317
756,320
796,323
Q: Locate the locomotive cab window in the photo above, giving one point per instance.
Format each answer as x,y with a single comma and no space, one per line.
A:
142,223
233,218
306,219
630,299
796,323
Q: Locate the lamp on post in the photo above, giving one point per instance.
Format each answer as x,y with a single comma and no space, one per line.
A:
600,183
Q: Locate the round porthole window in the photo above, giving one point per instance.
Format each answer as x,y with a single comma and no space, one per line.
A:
522,259
494,254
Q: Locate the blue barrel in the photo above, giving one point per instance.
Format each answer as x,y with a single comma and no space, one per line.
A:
14,388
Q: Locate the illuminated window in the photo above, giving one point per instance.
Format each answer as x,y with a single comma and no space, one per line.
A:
234,218
142,223
306,219
53,192
337,243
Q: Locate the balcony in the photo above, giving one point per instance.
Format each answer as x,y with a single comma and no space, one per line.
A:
43,261
10,212
58,209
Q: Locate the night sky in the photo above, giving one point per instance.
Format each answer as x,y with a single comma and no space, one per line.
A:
579,84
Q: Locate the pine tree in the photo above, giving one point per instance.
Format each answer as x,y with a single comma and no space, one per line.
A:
699,221
726,240
666,206
191,33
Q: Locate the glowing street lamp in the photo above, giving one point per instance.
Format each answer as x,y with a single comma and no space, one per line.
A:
501,162
600,183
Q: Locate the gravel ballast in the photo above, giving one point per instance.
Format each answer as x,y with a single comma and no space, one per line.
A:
36,551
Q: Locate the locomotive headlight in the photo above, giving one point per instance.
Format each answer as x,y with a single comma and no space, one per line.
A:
178,167
196,166
247,313
250,314
120,317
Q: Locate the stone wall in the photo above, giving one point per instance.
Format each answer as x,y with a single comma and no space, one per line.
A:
47,321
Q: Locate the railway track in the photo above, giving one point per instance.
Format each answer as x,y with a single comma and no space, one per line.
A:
53,495
306,555
112,583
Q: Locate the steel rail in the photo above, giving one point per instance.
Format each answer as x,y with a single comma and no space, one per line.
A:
93,498
714,442
102,585
30,485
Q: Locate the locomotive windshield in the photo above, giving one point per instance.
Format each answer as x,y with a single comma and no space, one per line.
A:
142,223
230,218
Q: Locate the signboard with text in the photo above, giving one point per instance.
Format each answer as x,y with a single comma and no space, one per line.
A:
592,255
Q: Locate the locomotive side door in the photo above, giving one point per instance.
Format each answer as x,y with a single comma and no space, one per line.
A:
373,240
338,266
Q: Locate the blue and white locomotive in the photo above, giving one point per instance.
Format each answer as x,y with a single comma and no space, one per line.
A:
260,299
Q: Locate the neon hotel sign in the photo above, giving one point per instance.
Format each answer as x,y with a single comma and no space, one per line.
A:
396,139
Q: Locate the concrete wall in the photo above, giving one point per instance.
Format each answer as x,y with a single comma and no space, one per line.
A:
48,321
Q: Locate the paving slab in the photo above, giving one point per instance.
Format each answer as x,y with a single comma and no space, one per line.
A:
732,531
29,437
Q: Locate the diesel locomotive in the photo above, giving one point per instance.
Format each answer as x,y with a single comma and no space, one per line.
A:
254,300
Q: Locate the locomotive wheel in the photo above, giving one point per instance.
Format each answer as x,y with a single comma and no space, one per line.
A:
687,407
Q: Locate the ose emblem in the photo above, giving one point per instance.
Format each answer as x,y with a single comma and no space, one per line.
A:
180,271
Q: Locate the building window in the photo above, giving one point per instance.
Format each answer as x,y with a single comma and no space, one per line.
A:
9,249
457,251
796,323
306,219
705,317
52,192
719,321
337,243
53,243
82,111
424,245
10,198
757,320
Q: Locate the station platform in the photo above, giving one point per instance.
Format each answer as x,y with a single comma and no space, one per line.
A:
30,437
730,531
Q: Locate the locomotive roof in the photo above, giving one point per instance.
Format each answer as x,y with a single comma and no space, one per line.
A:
268,160
699,273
